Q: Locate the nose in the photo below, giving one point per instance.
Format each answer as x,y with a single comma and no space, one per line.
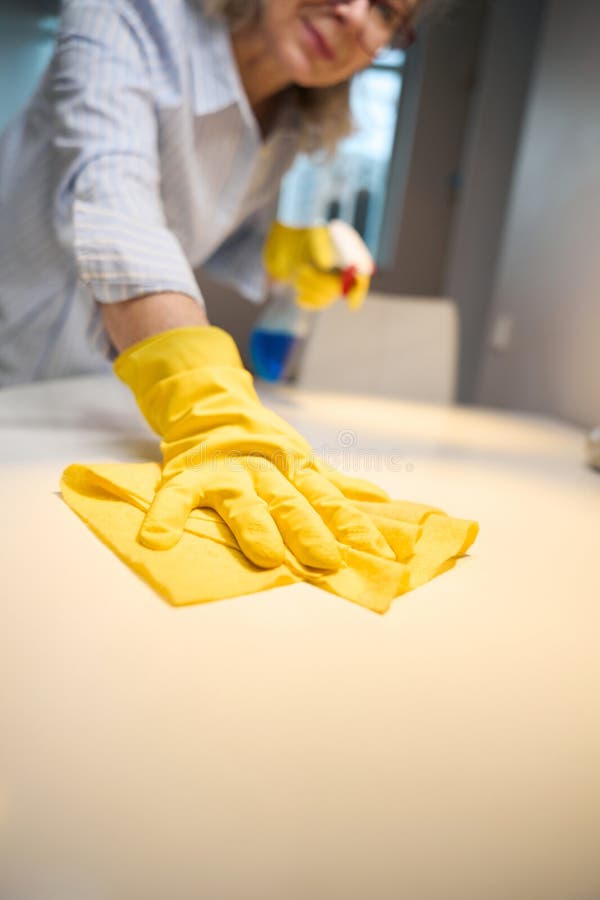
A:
354,13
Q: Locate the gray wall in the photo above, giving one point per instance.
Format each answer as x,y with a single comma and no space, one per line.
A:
543,350
424,183
509,49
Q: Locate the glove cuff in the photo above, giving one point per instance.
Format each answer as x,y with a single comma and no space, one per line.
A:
171,352
170,371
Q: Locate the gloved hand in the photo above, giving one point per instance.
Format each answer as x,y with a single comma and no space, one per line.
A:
223,449
322,263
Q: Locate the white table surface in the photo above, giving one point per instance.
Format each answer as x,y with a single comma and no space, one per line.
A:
291,745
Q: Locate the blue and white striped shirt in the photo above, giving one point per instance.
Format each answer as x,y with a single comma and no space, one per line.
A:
138,160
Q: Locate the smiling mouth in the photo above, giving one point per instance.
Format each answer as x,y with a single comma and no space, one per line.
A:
318,42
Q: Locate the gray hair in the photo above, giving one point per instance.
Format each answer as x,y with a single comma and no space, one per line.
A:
326,116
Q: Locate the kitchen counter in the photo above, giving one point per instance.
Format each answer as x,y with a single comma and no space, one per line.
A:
291,745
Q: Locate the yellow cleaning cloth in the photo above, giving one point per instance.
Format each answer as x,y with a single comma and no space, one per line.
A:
207,563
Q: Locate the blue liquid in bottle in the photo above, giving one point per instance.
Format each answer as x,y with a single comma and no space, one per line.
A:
270,352
278,334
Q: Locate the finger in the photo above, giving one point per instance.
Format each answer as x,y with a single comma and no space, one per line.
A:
281,250
315,289
357,293
352,488
349,525
234,497
303,530
169,511
321,248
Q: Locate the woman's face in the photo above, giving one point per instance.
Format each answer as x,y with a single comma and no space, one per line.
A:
318,44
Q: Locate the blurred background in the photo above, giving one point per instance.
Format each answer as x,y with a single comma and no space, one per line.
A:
474,176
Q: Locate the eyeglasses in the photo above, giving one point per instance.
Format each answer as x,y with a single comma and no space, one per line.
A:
386,25
390,25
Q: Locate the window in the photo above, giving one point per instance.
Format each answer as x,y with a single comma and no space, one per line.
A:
26,44
353,185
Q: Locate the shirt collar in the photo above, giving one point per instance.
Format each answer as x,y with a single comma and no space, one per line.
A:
215,82
215,79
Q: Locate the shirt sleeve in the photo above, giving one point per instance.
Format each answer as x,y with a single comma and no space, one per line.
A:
108,208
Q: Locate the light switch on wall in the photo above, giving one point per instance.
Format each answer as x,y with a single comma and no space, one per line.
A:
502,332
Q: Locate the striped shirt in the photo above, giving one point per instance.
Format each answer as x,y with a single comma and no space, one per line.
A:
138,160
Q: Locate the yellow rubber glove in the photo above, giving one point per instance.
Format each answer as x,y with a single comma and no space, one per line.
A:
322,263
223,449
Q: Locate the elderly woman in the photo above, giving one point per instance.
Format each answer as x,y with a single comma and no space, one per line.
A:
155,144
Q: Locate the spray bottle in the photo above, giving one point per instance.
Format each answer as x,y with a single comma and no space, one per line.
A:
281,330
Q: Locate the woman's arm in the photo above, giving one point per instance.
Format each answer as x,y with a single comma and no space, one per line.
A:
141,317
108,203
